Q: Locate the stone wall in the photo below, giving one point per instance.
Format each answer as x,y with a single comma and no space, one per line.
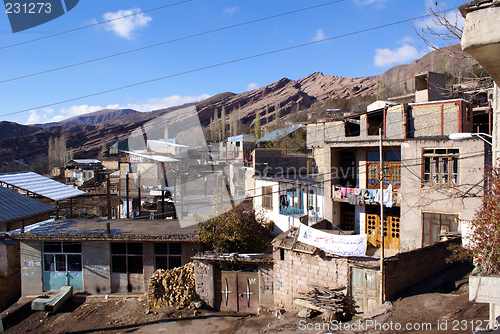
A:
294,271
266,285
204,281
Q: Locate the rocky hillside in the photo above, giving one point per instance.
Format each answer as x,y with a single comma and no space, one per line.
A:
87,133
98,117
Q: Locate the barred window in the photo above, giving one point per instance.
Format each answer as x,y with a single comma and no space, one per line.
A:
440,166
126,258
267,198
168,255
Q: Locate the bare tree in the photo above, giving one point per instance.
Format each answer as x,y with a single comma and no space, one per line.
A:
442,30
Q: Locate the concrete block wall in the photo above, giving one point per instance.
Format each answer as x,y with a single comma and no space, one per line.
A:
296,271
204,280
426,118
96,257
395,122
410,268
31,268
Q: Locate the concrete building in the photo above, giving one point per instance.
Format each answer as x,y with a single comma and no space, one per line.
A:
101,256
16,211
233,149
436,182
286,189
481,39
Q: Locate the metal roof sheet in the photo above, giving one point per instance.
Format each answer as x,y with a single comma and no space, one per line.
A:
280,133
14,206
154,157
40,185
86,161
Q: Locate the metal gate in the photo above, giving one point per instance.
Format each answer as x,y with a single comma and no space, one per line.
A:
239,292
365,289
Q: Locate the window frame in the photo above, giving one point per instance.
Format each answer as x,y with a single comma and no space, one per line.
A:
124,262
171,257
62,261
440,166
267,197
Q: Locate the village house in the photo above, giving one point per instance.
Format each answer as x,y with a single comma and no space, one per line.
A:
101,256
435,181
431,183
16,212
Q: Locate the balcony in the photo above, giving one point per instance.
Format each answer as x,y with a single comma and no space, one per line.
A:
291,211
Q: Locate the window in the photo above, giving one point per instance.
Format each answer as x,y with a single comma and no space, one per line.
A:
436,223
267,198
168,255
441,166
126,258
62,256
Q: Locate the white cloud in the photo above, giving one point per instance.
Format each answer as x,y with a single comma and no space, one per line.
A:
406,40
42,116
124,27
386,57
231,10
252,86
320,35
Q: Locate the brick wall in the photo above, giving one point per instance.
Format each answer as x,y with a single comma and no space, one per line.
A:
411,268
204,281
293,274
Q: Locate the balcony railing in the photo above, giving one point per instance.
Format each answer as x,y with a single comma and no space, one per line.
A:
290,211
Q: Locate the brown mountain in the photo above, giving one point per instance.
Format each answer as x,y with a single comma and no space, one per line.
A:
87,133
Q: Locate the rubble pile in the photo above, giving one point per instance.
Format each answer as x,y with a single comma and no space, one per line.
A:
174,288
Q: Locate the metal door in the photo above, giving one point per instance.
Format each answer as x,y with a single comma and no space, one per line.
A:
229,291
365,289
248,292
239,292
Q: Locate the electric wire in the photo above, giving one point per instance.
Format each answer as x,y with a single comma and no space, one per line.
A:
171,41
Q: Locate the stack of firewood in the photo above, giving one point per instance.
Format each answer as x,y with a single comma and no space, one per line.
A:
332,303
174,288
330,299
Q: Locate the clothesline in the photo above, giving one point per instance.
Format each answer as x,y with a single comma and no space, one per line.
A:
367,196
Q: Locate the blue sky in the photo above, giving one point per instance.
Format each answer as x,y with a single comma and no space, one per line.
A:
364,54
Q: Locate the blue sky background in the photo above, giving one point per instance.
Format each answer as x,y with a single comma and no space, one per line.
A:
364,54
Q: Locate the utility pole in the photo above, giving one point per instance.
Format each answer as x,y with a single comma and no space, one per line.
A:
381,182
139,188
108,196
128,194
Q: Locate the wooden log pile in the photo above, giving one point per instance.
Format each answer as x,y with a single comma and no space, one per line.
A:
173,288
332,303
330,299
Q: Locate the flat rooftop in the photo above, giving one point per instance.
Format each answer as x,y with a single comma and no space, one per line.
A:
120,229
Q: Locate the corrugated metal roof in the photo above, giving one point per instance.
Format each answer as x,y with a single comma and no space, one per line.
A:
280,133
86,161
154,157
14,206
40,185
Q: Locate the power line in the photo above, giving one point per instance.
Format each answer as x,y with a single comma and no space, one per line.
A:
171,41
215,65
92,25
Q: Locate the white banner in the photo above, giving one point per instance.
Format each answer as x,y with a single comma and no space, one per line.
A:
343,245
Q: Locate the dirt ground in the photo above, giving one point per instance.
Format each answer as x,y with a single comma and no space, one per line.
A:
437,305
